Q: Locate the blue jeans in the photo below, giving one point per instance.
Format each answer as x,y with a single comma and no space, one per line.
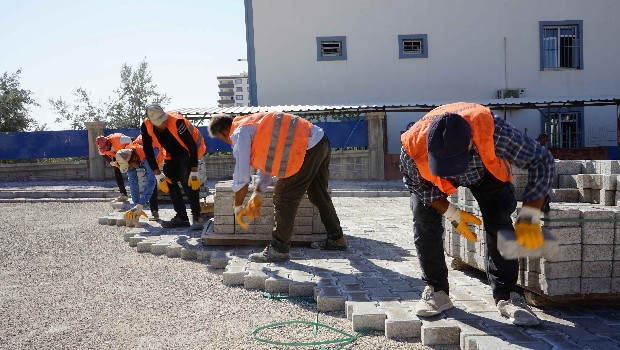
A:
150,193
497,201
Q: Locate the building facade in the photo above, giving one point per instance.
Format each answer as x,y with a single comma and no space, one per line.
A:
364,52
234,90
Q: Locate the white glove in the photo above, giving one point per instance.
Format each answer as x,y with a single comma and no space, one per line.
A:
529,214
137,209
238,208
453,213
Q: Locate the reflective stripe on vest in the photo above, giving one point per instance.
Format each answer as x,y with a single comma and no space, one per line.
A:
171,126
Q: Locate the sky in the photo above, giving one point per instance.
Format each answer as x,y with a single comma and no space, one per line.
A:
61,45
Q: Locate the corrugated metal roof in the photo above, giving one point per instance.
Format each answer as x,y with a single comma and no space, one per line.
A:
511,103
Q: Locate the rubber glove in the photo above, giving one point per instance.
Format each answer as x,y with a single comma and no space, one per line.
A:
194,180
240,211
459,219
162,182
527,228
254,205
135,212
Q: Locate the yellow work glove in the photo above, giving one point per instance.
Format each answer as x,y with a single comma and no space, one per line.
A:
459,219
115,164
162,182
133,215
527,228
254,205
194,180
240,211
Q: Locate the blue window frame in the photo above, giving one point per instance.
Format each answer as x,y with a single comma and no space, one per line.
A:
564,127
413,46
561,45
331,48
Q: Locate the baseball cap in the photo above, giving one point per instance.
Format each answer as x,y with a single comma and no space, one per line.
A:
101,143
122,158
156,114
447,142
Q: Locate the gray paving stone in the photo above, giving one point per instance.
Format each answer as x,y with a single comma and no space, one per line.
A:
203,254
366,315
174,250
159,248
234,276
562,269
255,279
189,253
219,259
301,289
135,239
439,332
596,269
277,284
561,286
402,323
329,299
144,246
597,252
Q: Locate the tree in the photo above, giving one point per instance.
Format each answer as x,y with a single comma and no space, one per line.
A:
124,110
14,103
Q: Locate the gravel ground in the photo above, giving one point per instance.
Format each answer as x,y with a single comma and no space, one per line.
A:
67,282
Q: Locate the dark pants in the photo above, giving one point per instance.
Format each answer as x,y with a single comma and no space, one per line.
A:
153,204
313,178
178,169
497,202
118,176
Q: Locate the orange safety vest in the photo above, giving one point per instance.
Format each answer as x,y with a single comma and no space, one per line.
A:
172,127
115,143
482,126
137,146
280,143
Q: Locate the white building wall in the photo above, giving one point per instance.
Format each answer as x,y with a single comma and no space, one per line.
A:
467,58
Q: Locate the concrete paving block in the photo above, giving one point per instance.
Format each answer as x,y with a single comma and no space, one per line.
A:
122,222
595,285
617,253
203,254
219,259
439,332
103,220
189,253
597,252
596,269
604,197
531,280
598,236
588,213
608,167
402,323
597,181
301,289
560,212
277,284
135,239
234,277
610,182
561,286
583,181
329,299
255,279
159,248
112,220
567,181
489,342
144,246
568,167
585,195
563,269
615,285
173,250
569,252
128,235
565,195
566,235
366,315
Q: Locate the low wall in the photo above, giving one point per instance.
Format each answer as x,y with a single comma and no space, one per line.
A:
73,170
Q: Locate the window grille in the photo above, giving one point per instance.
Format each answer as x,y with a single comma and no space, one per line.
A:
331,48
412,47
561,47
566,130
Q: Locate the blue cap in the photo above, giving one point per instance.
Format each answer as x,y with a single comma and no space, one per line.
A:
447,142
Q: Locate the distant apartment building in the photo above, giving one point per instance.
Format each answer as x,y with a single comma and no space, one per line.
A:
234,90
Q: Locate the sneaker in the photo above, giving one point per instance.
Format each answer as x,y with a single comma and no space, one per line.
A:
198,222
517,311
433,303
268,255
121,198
175,222
328,244
154,215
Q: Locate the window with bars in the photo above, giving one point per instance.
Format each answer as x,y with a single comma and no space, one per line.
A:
561,45
412,46
331,48
565,129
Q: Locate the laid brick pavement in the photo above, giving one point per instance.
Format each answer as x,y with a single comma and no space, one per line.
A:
377,282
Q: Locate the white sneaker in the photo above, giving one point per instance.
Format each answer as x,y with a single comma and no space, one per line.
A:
121,198
517,311
433,303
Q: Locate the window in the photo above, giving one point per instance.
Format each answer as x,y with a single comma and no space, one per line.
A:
565,128
239,89
561,45
331,48
412,46
239,104
238,81
239,97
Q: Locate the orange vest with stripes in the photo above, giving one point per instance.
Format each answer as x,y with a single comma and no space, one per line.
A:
482,126
171,125
115,144
280,143
137,147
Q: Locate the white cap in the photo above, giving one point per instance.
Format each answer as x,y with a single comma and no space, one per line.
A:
122,158
156,114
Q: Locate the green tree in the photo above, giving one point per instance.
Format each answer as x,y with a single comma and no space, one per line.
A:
123,110
14,103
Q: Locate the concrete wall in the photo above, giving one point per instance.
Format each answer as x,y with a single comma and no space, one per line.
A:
474,49
77,170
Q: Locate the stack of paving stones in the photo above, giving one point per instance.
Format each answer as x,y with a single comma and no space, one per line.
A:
589,261
307,228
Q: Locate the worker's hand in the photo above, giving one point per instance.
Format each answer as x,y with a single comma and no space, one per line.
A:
135,212
194,180
240,212
254,205
162,182
114,164
527,228
459,219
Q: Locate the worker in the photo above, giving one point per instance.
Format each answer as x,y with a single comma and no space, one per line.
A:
463,144
542,139
295,151
184,146
129,160
108,146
